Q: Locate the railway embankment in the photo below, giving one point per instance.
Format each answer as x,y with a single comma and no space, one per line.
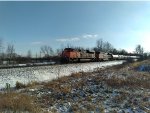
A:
26,75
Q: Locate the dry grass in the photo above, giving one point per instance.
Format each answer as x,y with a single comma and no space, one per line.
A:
32,84
19,85
77,75
133,78
52,84
65,89
16,102
144,106
57,87
120,98
132,82
89,107
137,64
62,84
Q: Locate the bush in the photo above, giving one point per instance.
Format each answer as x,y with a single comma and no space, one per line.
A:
19,85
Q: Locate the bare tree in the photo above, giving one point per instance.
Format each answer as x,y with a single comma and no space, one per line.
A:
122,52
47,50
68,45
100,45
1,51
10,52
29,54
103,46
1,45
139,49
59,51
107,47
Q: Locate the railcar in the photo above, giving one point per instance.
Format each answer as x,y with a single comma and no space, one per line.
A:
102,56
87,55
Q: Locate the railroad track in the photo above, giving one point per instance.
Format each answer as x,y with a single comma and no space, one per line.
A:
24,66
37,65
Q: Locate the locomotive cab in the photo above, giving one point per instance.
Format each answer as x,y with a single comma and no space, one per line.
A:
69,55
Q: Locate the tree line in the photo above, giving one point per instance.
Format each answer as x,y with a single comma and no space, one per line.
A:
46,52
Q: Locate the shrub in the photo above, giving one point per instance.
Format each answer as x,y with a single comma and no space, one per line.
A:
19,85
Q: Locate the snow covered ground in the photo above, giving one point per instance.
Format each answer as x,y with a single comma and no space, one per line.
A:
119,89
46,73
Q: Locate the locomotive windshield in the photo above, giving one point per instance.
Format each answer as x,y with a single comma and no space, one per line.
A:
69,49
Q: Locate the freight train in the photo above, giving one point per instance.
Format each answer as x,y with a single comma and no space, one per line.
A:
72,55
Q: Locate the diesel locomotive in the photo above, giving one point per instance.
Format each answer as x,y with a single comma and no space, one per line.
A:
72,55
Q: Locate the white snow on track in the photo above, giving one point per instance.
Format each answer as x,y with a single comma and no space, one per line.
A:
46,73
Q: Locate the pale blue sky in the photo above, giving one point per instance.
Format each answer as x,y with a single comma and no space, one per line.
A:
28,25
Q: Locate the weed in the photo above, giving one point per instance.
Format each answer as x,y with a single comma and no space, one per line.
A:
7,87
